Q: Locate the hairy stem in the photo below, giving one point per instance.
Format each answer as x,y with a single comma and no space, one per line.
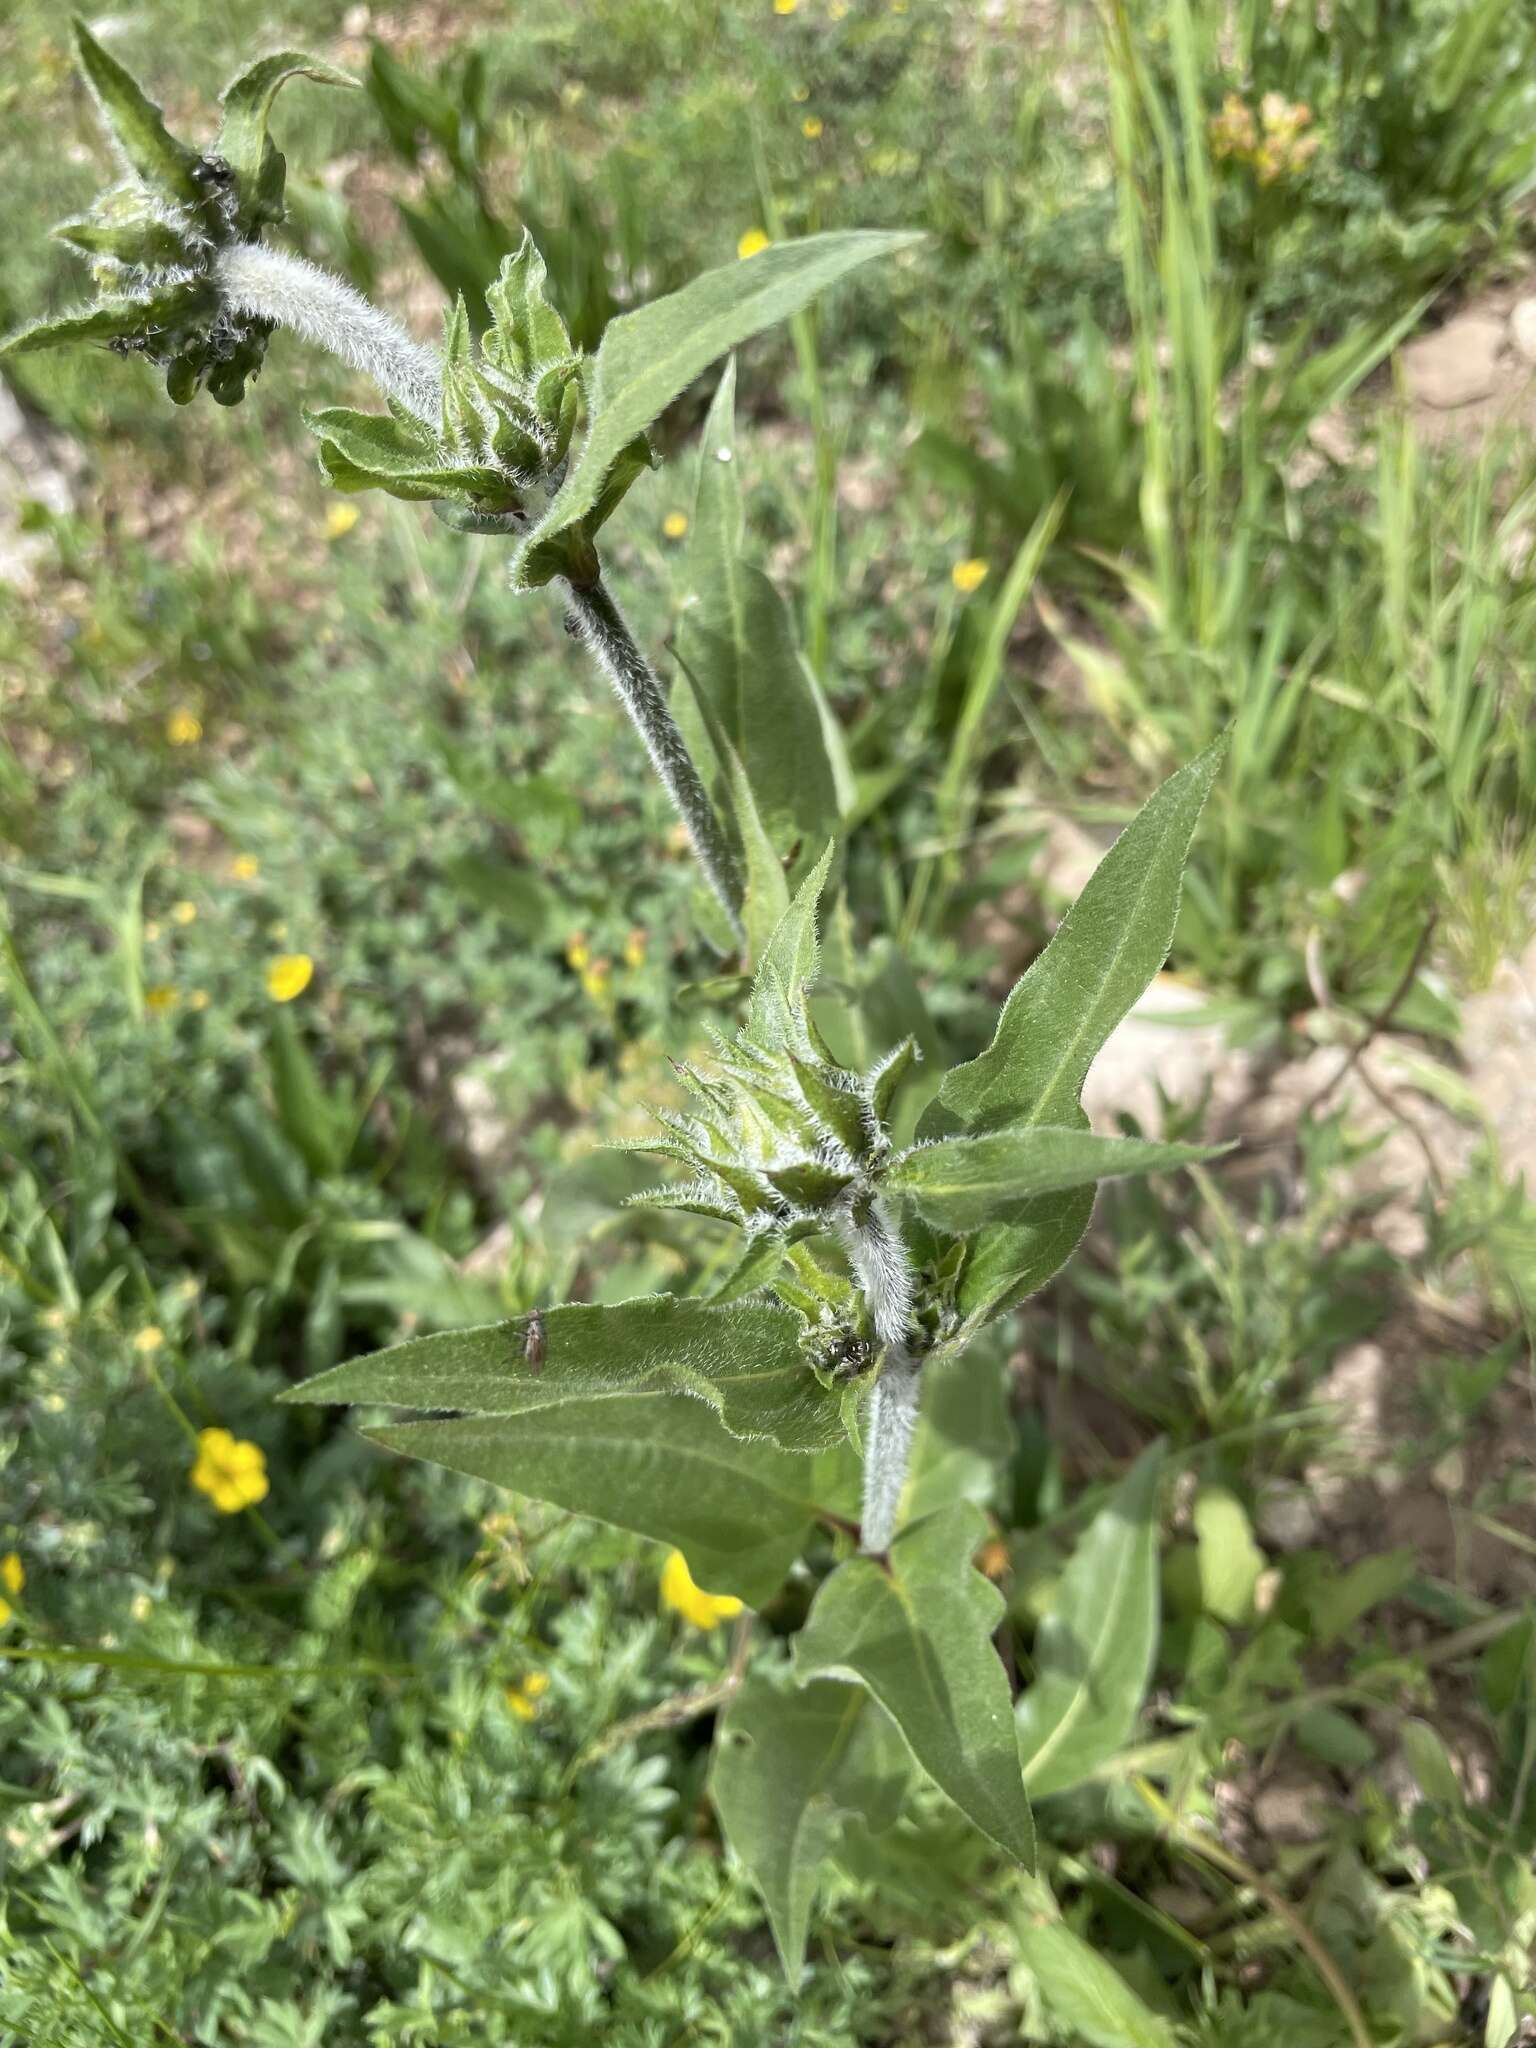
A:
272,285
884,1272
604,630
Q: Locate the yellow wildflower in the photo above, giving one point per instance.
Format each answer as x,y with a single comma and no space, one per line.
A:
675,525
968,575
183,728
810,127
634,947
160,998
13,1573
151,930
141,1607
578,954
800,94
340,519
785,6
523,1697
698,1608
198,999
595,979
288,975
149,1341
752,243
245,867
232,1473
183,912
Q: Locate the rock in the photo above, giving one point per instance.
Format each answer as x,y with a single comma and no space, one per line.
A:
1498,1046
39,466
1160,1047
1287,1515
1456,364
1522,329
1292,1808
490,1133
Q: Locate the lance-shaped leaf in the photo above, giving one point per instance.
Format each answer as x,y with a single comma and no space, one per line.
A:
111,320
736,641
1093,1652
527,337
647,358
650,1463
134,122
790,1768
959,1184
1082,1992
789,965
745,1361
917,1631
243,141
1104,953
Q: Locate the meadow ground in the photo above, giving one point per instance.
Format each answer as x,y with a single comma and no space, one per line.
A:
343,931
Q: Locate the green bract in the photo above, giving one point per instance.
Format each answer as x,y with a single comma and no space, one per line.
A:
153,240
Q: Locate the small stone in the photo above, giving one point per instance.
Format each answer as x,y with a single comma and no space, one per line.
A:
1456,364
1291,1809
1522,329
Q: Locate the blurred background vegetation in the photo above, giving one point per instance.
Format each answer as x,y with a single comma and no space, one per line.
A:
1148,439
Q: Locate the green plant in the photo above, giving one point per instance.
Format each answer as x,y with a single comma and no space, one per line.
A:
869,1263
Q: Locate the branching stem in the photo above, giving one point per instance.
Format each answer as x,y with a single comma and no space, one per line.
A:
604,630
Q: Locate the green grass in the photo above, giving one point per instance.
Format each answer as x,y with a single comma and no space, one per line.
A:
260,1782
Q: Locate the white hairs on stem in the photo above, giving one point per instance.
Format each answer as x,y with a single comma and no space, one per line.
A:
326,310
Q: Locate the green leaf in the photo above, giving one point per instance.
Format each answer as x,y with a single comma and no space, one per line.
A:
655,1465
959,1184
243,141
134,121
789,965
526,335
514,894
109,320
1087,1995
736,640
647,358
1104,953
306,1113
1230,1562
790,1767
1093,1651
745,1361
918,1633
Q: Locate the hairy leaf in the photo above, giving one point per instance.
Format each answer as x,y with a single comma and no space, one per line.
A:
745,1361
1093,1652
918,1632
959,1184
789,964
654,1465
243,141
647,358
134,121
790,1766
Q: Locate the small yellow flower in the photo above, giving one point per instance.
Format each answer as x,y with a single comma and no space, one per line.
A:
288,975
810,127
595,979
160,998
245,867
523,1697
675,525
183,912
13,1575
752,243
785,6
340,519
198,999
151,931
183,728
969,575
141,1607
6,1611
232,1473
149,1341
634,947
699,1609
578,954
